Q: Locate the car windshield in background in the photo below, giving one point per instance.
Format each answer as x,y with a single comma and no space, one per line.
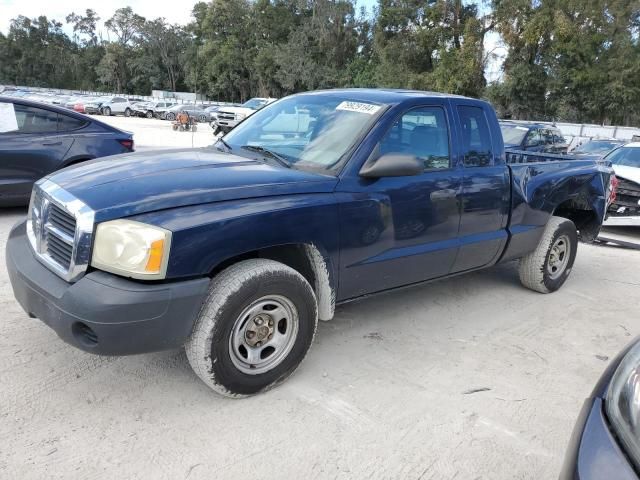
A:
513,134
596,147
254,103
625,156
309,132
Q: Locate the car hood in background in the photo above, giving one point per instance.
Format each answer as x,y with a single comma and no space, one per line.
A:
630,173
131,184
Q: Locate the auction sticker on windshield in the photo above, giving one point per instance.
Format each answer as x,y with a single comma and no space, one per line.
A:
358,107
8,120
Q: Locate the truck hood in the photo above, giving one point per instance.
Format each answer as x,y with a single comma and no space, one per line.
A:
630,173
135,183
246,111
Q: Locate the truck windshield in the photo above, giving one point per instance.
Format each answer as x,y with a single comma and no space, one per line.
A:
254,103
596,146
625,156
311,132
513,134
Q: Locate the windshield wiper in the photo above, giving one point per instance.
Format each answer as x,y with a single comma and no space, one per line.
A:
269,153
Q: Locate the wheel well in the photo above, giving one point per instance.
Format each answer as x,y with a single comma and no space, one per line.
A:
306,260
582,215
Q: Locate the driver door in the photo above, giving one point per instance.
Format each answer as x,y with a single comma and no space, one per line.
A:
401,230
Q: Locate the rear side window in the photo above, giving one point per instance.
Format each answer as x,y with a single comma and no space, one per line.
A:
421,132
476,139
35,120
67,123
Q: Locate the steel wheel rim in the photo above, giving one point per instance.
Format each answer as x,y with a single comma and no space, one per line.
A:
263,334
559,257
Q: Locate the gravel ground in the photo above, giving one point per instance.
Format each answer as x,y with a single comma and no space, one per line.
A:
384,393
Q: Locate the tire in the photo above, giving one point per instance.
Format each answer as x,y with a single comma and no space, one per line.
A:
202,118
170,116
240,296
106,111
547,268
149,114
127,112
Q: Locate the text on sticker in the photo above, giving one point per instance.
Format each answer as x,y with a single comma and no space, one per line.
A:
358,107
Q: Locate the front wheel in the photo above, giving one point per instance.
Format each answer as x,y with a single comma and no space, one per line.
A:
254,329
149,114
170,116
127,112
547,268
106,111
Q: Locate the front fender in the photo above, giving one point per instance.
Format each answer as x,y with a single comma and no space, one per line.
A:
205,236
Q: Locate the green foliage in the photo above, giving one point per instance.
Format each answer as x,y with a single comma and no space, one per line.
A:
571,60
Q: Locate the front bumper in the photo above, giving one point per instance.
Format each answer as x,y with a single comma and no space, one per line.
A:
103,313
227,124
593,452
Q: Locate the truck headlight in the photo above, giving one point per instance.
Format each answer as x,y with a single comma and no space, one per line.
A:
623,403
131,249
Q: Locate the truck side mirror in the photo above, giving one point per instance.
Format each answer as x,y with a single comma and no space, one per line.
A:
392,165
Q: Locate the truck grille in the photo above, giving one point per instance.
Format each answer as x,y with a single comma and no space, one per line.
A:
627,202
226,116
59,230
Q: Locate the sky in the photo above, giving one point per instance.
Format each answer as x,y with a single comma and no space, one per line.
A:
174,11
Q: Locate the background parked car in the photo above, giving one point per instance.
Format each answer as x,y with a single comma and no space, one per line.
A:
624,211
605,441
37,139
150,109
94,106
597,147
118,106
194,111
532,137
228,117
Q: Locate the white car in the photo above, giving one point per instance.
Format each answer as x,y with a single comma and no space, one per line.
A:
118,106
625,209
228,117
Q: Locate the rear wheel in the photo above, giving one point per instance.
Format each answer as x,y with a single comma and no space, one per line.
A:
202,118
547,268
254,329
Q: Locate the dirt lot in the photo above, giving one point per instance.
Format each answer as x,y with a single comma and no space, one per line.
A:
384,392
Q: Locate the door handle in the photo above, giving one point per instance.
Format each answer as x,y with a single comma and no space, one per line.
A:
443,194
51,144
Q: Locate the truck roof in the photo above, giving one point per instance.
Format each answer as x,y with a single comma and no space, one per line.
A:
384,95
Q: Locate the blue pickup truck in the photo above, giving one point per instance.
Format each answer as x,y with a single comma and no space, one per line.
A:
235,251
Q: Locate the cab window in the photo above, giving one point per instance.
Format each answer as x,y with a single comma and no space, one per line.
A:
476,138
421,132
